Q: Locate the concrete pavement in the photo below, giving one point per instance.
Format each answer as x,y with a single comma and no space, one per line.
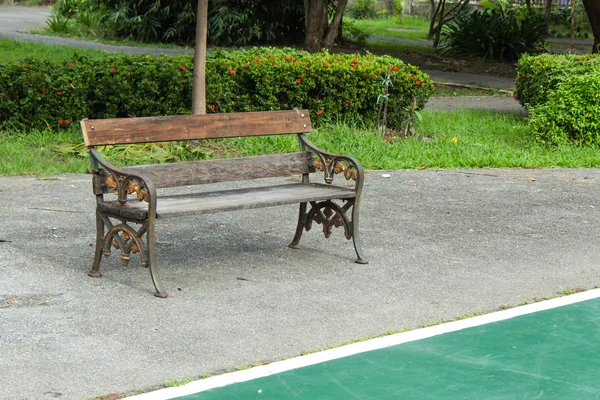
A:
441,244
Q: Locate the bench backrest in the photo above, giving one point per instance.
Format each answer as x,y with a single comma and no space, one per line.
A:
98,132
210,126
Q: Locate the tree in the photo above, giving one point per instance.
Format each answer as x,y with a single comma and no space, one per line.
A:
440,15
199,79
319,32
592,8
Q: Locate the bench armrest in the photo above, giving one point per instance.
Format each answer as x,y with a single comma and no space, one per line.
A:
332,164
121,181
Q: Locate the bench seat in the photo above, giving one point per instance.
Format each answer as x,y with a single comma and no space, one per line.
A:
228,200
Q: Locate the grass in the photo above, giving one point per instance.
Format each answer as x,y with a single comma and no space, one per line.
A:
416,28
13,51
457,139
178,382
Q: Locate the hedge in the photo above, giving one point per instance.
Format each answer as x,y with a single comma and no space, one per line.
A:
41,94
572,112
538,76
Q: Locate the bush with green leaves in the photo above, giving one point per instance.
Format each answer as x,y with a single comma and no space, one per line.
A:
500,34
37,94
363,9
571,113
231,22
538,76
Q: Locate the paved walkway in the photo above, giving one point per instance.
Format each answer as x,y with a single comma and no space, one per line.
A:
441,244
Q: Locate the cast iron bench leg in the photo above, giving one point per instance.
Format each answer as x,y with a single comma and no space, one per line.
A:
300,227
95,272
159,291
356,238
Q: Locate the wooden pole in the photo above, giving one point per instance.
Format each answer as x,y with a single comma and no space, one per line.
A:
199,78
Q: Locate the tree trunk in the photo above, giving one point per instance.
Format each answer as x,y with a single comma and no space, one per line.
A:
199,79
592,9
319,33
547,12
332,30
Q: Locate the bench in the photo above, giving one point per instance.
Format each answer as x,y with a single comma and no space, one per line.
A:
126,221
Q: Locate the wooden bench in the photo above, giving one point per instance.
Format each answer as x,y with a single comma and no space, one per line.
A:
124,220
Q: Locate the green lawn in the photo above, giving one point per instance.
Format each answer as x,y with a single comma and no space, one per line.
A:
458,139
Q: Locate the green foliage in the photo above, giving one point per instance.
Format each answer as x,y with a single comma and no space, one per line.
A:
231,22
363,9
538,76
352,33
560,22
496,33
571,113
41,94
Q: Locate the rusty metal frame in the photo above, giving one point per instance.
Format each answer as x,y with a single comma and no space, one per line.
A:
328,213
127,239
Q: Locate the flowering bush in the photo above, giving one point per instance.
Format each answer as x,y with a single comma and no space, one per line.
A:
38,94
539,76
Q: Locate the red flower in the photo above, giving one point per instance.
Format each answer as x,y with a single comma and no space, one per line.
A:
376,76
182,68
326,65
274,64
319,112
67,122
395,69
59,93
354,61
287,58
245,67
60,121
69,64
514,96
113,70
417,83
256,61
232,72
293,59
212,107
353,66
43,90
298,81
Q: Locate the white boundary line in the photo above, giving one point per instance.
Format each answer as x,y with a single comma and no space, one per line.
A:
373,344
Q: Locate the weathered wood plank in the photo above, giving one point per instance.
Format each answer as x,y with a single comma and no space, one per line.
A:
230,200
213,171
187,127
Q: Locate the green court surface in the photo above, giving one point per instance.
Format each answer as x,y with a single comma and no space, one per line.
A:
549,354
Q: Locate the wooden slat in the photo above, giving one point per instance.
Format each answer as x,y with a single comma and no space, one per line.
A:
98,132
230,200
214,171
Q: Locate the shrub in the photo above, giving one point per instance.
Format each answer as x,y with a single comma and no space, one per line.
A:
39,94
497,34
231,22
538,76
571,113
363,9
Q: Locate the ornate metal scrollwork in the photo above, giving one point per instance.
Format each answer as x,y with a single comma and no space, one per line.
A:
126,239
132,187
343,166
329,215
